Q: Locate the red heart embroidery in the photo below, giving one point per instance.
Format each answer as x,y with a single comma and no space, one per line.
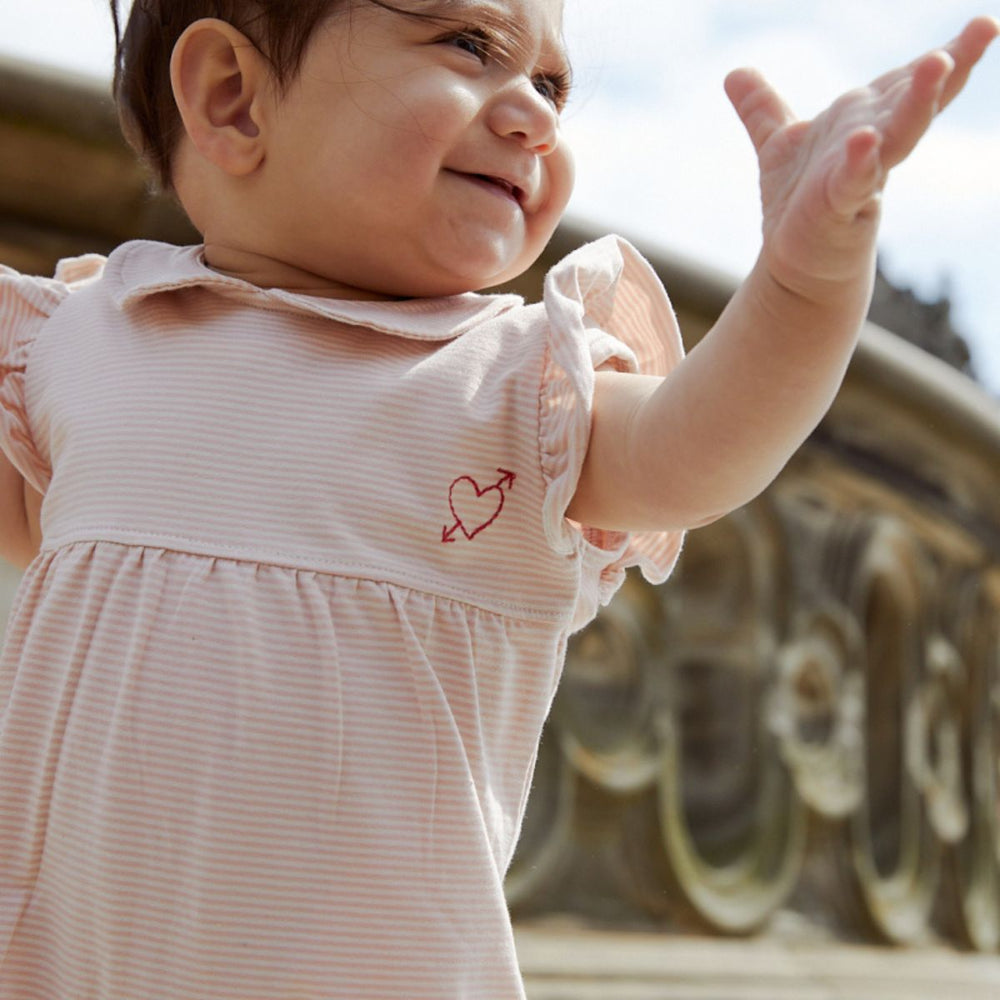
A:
474,509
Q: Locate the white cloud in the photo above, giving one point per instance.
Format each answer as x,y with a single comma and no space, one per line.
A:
72,34
672,165
942,226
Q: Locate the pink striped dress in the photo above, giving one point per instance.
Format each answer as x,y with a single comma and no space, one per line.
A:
272,690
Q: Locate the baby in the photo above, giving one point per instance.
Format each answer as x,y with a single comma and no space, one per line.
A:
307,520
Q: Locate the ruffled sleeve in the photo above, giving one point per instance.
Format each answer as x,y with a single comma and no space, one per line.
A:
606,308
25,305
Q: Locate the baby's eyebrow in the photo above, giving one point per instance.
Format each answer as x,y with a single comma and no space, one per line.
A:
496,15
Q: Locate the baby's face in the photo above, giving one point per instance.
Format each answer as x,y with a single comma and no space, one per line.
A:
416,157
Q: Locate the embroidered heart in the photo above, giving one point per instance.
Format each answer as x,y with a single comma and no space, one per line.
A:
474,509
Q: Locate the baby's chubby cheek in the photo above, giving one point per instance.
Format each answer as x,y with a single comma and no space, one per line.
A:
560,170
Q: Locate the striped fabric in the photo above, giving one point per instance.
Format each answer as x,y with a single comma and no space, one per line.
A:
272,691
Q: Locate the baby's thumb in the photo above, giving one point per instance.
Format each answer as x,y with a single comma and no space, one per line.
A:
758,104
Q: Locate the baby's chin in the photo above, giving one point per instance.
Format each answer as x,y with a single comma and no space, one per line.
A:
471,258
479,279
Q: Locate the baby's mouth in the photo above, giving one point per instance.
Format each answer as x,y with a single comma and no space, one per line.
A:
511,189
502,186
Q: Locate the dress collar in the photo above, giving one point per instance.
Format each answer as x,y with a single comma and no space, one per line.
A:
141,268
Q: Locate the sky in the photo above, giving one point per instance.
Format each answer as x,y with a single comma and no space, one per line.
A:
662,158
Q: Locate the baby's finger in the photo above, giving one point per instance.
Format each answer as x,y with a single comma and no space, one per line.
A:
915,109
966,50
758,104
853,188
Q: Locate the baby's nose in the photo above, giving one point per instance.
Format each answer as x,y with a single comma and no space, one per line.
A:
521,112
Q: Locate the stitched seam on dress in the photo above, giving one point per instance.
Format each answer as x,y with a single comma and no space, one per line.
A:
373,574
545,390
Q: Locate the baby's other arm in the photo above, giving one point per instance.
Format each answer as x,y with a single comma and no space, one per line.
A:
20,536
682,451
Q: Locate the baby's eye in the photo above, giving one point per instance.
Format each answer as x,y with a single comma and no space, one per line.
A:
554,88
474,41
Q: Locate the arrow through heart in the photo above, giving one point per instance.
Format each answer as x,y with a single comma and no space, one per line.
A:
475,508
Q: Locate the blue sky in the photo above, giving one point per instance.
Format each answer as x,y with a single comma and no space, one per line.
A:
662,158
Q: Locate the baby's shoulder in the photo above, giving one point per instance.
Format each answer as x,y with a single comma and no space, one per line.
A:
27,301
70,274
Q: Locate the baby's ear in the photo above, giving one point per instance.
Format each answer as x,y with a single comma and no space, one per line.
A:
220,82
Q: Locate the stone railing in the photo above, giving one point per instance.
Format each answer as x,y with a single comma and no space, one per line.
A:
68,183
807,716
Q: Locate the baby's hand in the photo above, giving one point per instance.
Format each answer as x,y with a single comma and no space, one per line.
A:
821,180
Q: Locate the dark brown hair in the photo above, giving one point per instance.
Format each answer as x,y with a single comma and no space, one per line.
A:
280,29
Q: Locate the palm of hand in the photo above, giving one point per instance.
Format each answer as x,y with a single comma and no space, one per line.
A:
821,181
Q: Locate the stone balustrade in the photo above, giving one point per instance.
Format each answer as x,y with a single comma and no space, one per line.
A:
806,717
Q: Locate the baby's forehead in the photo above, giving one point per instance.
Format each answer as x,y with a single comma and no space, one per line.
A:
529,20
516,12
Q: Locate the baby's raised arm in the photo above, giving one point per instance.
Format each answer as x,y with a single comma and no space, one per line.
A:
682,451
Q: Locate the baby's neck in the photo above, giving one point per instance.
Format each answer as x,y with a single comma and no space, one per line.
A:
267,272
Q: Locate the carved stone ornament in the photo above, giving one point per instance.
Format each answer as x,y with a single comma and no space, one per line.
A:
807,715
